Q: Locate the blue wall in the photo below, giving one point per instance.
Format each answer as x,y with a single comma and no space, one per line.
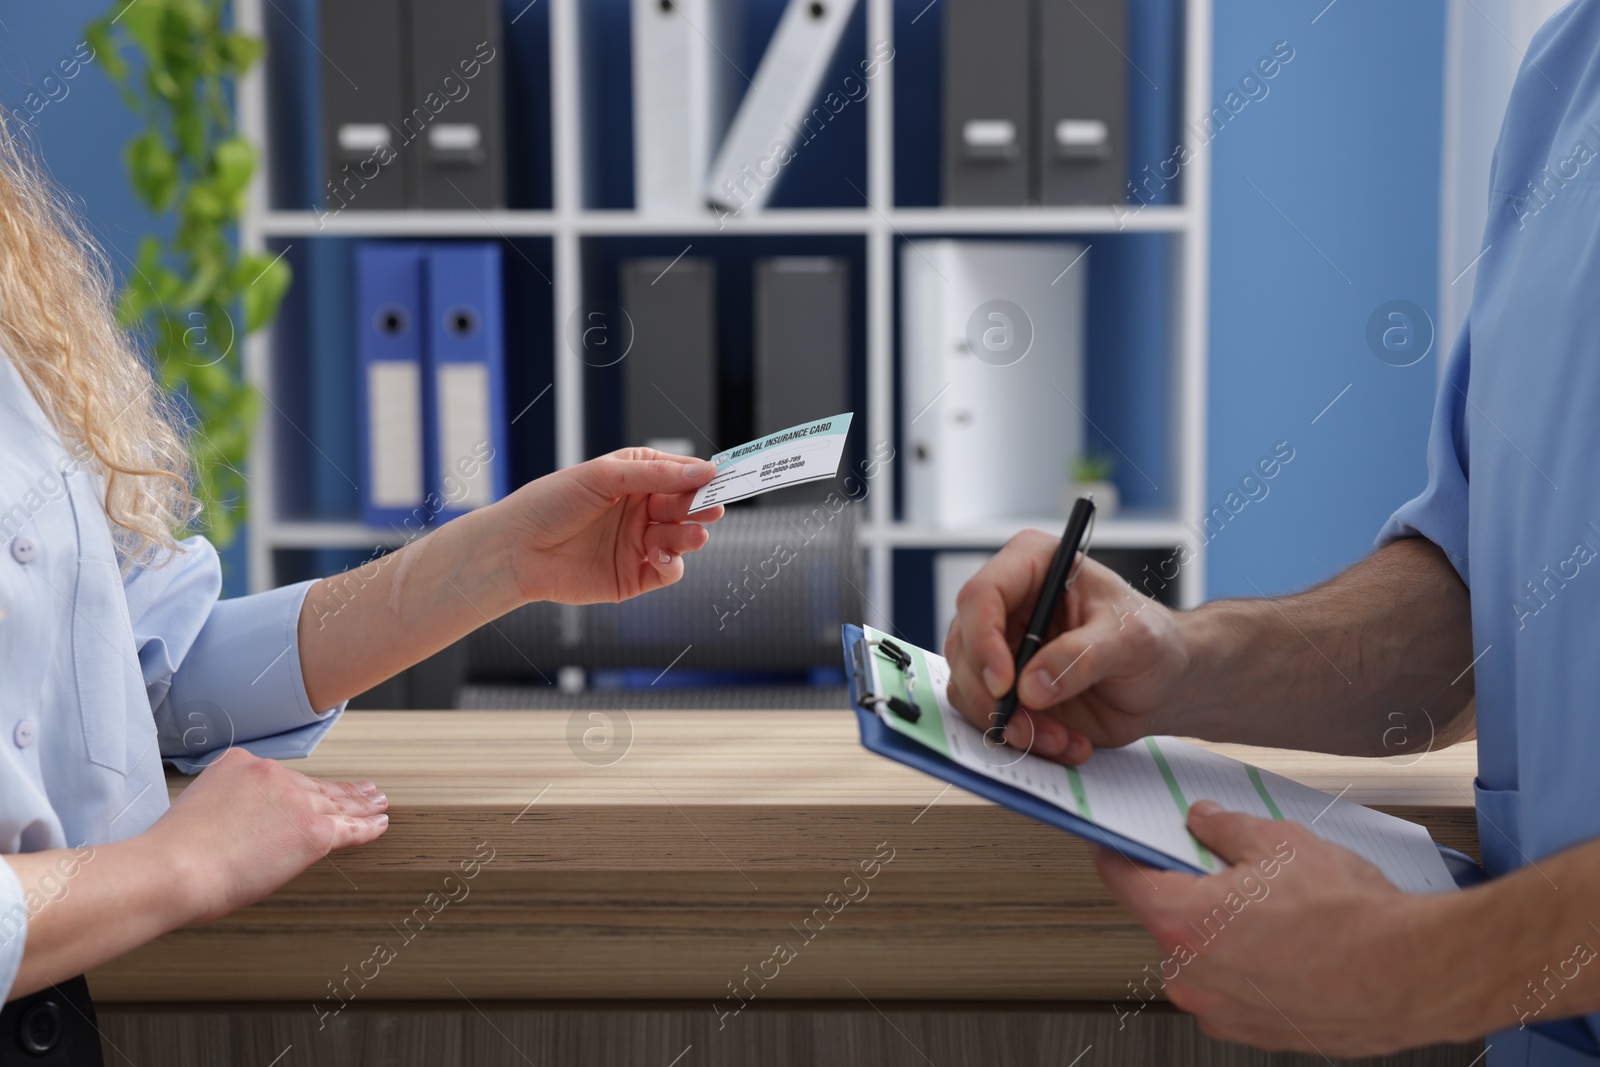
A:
81,134
1346,145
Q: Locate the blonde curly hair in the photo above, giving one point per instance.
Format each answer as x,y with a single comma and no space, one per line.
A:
58,326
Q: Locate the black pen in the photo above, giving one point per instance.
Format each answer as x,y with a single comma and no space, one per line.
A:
1055,583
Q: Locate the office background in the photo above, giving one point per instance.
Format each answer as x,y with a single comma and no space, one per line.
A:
1327,195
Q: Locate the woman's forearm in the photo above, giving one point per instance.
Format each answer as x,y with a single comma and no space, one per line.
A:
87,906
1373,662
365,625
605,530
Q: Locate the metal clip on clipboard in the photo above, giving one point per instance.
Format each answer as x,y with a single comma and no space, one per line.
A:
894,656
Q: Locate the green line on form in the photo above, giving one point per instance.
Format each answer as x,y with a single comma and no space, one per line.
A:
1177,795
1075,780
1261,787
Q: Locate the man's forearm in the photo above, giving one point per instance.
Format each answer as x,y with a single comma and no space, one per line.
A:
370,623
1534,954
1372,663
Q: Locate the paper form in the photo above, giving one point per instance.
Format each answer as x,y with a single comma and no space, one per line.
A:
809,452
1143,791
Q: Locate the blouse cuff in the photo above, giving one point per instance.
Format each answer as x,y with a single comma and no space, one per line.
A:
13,928
242,683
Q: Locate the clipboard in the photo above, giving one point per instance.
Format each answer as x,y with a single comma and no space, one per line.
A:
876,737
879,738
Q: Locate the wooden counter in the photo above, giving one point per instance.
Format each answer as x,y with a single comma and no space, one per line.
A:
676,870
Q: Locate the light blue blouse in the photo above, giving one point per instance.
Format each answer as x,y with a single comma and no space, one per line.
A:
102,676
1513,493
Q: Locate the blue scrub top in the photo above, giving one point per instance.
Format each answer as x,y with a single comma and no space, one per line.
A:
105,670
1513,495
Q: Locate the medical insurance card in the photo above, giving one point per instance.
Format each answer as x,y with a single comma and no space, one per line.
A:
809,452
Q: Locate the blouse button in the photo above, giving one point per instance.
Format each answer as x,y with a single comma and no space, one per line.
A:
24,734
24,549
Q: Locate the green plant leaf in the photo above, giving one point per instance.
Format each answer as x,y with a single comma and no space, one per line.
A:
264,292
153,169
146,23
221,526
210,382
204,204
142,20
190,126
232,163
247,404
98,35
202,285
230,440
1090,467
240,52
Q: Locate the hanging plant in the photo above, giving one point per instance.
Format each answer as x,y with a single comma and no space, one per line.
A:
192,292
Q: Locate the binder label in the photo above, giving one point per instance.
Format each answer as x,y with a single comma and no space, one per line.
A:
464,419
394,388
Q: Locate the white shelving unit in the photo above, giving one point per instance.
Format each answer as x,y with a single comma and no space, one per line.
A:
880,224
589,223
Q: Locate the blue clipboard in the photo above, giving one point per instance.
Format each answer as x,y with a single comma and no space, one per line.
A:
879,738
